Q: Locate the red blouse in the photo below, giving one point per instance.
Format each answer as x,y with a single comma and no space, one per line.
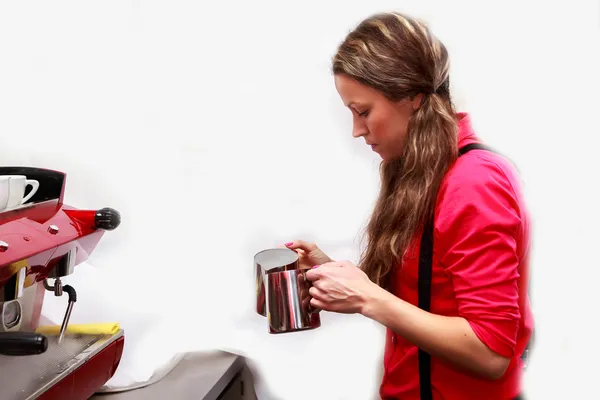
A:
480,272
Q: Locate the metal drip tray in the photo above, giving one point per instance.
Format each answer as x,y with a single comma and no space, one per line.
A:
27,377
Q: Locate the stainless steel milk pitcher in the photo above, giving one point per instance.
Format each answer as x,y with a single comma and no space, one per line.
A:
282,292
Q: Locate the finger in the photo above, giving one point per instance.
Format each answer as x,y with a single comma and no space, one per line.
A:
297,250
317,305
301,244
303,258
318,271
319,284
315,293
312,309
313,274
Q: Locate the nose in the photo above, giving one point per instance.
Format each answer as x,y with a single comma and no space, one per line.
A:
359,128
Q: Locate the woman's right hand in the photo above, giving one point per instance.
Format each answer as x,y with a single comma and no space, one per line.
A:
309,254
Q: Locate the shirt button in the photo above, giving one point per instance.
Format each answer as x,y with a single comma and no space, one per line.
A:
394,339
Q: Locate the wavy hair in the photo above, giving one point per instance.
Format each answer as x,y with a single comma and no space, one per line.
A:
401,58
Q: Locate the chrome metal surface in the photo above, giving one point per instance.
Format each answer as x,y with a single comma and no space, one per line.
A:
53,229
28,305
13,289
27,378
65,266
63,327
279,259
56,288
288,302
12,316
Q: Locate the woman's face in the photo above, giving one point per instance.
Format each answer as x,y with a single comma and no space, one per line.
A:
381,122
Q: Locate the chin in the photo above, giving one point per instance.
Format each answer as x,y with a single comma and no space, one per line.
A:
383,156
390,158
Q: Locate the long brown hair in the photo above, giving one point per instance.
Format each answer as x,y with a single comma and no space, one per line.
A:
399,56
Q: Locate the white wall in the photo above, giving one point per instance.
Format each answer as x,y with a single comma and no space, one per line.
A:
215,129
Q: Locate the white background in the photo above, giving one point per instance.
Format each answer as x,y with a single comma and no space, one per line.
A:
215,128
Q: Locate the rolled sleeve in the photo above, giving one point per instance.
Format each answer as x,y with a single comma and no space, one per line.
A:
477,233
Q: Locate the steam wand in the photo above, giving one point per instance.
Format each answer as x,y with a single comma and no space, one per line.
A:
72,299
58,290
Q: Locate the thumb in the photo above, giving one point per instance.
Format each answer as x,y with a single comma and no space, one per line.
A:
302,245
313,274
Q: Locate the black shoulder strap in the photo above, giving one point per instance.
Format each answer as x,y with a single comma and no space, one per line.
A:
425,273
472,146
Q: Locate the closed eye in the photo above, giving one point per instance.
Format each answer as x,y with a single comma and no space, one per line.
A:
359,113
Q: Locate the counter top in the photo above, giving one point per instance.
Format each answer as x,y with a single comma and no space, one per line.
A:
199,375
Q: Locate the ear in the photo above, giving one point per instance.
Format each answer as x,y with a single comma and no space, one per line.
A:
416,101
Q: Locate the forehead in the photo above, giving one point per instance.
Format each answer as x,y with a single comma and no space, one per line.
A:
352,91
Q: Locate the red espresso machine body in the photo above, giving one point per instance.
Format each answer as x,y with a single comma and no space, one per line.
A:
42,241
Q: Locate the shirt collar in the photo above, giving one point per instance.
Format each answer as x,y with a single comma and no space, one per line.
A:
466,134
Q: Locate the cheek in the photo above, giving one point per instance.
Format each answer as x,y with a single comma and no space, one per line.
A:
378,127
389,130
385,128
394,127
400,122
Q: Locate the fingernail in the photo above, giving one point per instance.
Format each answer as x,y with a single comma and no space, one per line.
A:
289,244
315,266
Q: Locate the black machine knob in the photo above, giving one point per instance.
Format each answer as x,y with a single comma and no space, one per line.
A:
107,219
22,343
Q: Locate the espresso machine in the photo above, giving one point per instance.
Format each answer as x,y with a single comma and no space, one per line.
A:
42,240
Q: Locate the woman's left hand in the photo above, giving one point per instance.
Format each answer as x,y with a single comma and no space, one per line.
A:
340,286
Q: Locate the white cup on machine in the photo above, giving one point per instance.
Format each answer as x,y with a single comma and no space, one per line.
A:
12,190
4,192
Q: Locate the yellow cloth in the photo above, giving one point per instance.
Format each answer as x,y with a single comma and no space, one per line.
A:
107,328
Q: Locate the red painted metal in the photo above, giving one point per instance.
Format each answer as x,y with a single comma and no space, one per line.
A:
31,241
82,383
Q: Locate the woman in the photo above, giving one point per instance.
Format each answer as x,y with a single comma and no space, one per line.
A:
460,333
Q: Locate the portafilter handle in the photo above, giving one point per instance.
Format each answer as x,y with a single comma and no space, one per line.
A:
22,343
